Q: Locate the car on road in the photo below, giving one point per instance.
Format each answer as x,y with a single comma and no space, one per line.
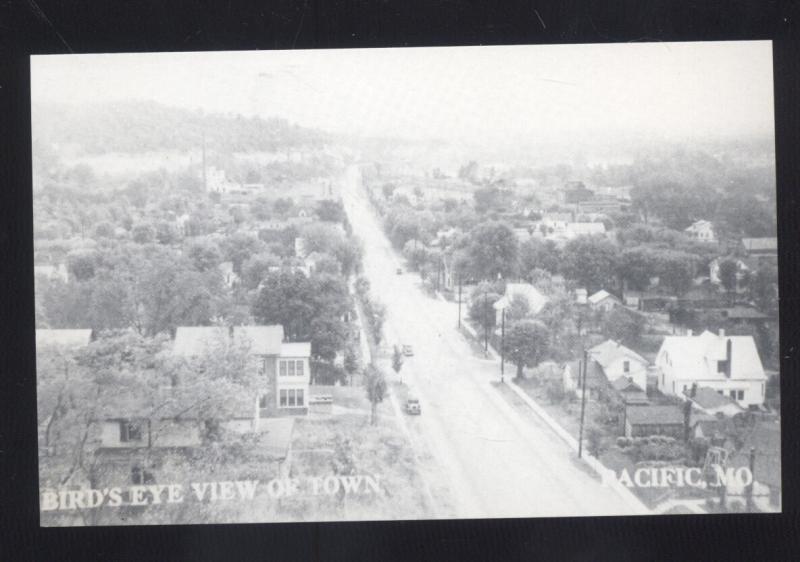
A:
413,407
399,271
408,351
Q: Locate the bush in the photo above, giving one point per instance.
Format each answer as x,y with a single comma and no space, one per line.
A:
595,441
555,391
623,442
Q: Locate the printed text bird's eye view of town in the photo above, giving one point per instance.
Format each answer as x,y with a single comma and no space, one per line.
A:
413,283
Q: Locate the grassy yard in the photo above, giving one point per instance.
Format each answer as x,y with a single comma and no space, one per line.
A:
348,444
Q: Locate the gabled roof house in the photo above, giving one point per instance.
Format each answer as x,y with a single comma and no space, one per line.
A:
727,364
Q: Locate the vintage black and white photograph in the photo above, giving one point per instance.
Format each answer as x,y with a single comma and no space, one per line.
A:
406,283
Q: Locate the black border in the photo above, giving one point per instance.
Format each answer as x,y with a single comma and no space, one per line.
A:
31,27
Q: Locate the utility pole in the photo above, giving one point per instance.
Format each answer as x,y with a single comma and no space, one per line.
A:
583,402
503,346
205,182
459,300
485,323
749,491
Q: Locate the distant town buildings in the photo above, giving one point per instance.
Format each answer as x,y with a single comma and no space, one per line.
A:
702,231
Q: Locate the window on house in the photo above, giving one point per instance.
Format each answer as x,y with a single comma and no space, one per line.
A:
722,366
300,368
130,431
282,368
291,368
283,398
291,394
732,394
300,397
626,366
262,365
141,476
740,394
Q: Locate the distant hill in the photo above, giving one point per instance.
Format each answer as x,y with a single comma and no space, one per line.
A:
144,126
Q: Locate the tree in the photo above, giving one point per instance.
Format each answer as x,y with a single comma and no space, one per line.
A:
591,262
676,269
594,441
397,360
481,308
539,254
637,265
764,289
240,246
143,234
81,265
490,199
623,325
351,362
282,206
493,251
518,309
328,337
204,254
330,211
526,343
256,268
376,389
388,189
729,276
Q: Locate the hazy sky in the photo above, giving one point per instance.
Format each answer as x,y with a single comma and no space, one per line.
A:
495,94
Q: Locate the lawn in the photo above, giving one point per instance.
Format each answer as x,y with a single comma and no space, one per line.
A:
348,444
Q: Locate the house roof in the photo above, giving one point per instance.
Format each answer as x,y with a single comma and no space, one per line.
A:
193,341
695,357
708,398
760,244
296,349
63,338
601,295
263,340
654,415
129,403
624,384
765,438
697,225
744,313
594,374
609,351
579,228
536,300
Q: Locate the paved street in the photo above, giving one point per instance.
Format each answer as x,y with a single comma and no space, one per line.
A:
495,462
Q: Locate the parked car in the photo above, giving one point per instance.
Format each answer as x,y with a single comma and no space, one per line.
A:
408,351
413,407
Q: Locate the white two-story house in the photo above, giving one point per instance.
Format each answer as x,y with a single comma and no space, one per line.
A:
728,364
701,230
284,366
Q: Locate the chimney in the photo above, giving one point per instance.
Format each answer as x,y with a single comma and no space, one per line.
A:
722,332
728,358
689,333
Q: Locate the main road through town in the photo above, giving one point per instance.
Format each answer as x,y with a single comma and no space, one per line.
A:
494,461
